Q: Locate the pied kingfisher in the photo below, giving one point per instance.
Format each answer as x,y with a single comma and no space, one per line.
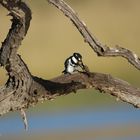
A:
73,63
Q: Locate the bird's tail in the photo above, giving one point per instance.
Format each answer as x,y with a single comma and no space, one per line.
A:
64,71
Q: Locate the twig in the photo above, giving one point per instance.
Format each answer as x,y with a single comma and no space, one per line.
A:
23,115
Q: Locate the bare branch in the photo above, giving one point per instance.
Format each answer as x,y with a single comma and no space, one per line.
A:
101,50
42,90
16,89
20,23
105,83
23,115
23,90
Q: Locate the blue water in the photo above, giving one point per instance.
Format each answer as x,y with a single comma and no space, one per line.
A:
69,119
73,119
86,117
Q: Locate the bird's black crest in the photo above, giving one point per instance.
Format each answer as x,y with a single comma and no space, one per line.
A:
77,55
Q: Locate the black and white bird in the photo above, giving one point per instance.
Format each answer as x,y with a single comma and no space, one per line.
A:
73,63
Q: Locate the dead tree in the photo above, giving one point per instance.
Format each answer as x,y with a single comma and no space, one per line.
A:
23,90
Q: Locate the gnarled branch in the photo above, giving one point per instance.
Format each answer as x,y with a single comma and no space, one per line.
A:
101,50
23,90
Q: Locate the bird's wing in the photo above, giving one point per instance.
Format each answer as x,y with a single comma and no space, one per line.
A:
67,62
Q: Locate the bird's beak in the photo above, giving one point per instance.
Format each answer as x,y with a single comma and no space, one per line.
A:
81,64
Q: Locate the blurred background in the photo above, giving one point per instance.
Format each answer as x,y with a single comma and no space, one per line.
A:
50,40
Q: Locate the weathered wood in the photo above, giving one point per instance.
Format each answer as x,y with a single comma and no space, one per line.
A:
101,50
23,90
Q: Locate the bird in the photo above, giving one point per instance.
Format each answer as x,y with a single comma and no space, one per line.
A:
72,63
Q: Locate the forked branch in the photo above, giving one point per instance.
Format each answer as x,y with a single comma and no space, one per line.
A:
23,90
